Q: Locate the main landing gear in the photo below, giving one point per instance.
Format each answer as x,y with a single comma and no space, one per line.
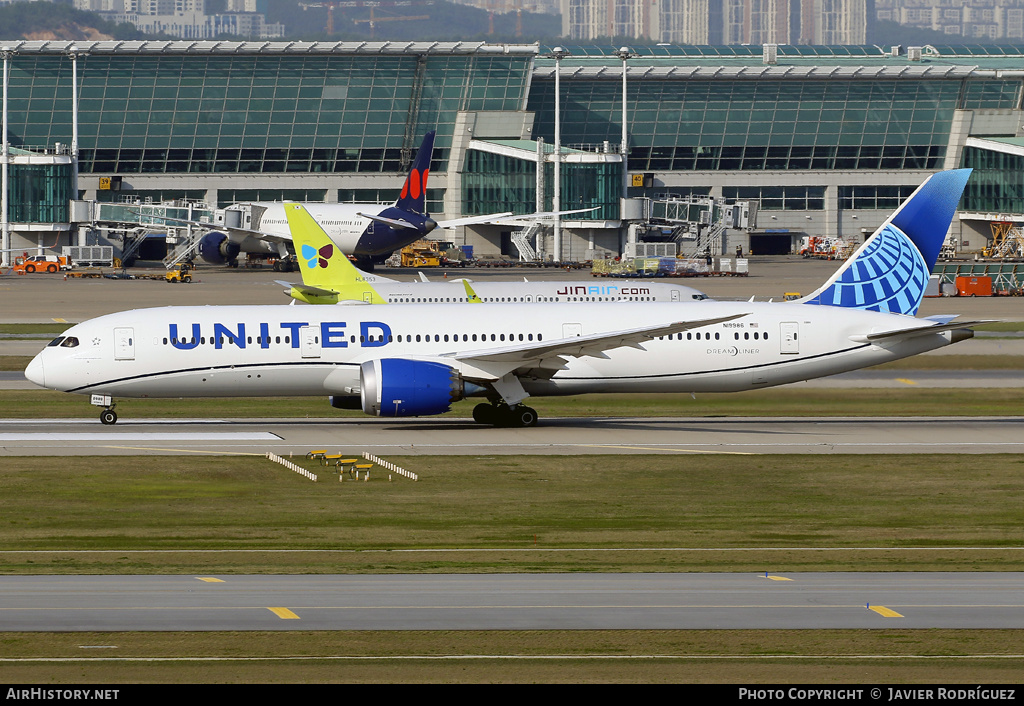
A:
501,415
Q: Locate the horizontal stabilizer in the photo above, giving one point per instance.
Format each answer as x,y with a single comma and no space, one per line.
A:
912,331
393,222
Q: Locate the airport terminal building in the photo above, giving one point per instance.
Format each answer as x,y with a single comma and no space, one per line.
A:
826,139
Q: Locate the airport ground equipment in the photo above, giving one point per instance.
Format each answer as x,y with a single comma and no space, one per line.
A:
24,264
181,273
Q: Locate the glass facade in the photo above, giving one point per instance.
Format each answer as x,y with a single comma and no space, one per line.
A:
39,193
996,184
170,113
226,197
434,197
885,198
798,124
494,183
779,198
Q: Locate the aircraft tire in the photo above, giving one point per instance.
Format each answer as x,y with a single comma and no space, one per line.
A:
108,416
525,416
485,413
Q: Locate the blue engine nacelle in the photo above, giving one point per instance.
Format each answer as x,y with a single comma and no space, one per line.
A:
395,387
216,249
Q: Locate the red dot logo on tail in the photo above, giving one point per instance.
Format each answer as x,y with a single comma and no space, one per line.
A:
414,183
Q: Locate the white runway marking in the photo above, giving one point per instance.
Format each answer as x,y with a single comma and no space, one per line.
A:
142,436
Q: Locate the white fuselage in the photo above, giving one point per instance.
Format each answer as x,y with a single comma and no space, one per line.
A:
340,221
447,291
317,350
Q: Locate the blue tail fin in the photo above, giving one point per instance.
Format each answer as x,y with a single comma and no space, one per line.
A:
413,197
889,272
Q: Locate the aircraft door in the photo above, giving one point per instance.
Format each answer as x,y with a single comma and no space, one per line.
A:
790,337
572,330
309,340
124,344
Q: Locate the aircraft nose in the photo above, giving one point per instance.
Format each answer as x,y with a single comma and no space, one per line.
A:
34,371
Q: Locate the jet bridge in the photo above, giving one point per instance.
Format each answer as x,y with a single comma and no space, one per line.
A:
131,222
695,224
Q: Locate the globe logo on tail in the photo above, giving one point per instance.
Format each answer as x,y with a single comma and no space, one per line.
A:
317,258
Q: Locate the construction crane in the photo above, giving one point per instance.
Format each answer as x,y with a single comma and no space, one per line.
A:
374,20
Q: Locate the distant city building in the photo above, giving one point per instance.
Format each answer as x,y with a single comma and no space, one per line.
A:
549,7
966,19
185,18
704,22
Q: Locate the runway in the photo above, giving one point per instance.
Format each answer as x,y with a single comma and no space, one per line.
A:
513,602
557,436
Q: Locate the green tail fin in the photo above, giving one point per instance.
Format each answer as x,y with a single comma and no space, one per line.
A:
321,262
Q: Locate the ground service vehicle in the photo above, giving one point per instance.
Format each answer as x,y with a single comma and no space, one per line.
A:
40,263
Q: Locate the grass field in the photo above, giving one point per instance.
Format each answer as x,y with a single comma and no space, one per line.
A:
123,515
235,514
537,656
774,402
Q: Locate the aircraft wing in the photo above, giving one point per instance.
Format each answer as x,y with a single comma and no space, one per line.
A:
508,218
472,220
549,356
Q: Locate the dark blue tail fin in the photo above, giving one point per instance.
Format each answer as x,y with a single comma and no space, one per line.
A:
890,270
413,197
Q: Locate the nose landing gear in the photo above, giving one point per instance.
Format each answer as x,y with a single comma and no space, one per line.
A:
107,415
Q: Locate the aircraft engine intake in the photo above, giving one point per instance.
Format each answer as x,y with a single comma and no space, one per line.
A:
396,387
216,249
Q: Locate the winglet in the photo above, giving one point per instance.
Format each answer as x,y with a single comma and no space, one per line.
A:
889,272
322,264
413,196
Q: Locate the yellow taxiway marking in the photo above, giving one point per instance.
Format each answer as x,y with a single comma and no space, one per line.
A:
209,579
184,451
654,448
778,578
59,320
885,612
906,381
283,613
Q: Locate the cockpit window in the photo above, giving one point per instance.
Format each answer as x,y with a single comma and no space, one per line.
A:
700,297
55,342
69,342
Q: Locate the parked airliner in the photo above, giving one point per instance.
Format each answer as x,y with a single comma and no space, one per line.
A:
417,359
328,277
367,231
